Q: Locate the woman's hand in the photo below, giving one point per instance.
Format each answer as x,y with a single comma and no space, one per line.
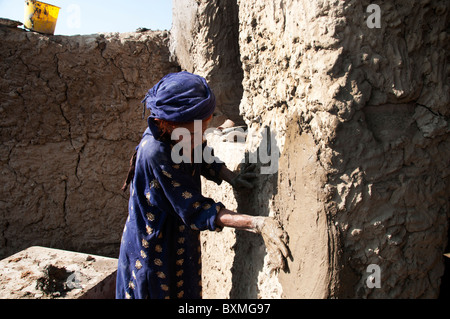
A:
275,239
271,231
244,179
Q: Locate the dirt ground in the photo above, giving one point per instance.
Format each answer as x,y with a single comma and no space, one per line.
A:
42,273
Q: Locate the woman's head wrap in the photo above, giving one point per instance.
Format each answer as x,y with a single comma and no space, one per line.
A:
180,97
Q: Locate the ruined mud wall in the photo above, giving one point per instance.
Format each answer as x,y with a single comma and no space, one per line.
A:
70,120
361,120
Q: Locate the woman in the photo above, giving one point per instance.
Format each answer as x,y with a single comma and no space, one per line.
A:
160,255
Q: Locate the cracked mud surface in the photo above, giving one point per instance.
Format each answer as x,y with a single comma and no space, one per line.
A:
70,120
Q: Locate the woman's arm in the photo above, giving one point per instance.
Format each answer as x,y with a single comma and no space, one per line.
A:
242,180
228,218
227,175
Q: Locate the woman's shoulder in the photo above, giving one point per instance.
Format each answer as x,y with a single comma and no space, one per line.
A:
154,150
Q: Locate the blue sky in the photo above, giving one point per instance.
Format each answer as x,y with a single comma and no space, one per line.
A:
92,16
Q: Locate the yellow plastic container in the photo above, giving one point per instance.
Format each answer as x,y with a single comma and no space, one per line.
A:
40,17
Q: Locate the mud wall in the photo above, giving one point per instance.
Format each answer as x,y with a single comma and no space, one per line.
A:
204,40
70,120
359,116
361,119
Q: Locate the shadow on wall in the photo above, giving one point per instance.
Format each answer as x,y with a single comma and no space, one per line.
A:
249,248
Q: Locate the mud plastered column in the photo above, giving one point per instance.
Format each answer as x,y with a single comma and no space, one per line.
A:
369,107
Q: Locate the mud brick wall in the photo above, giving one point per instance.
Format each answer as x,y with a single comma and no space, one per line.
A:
361,118
70,120
204,40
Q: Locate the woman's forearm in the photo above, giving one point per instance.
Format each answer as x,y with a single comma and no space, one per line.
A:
228,218
226,174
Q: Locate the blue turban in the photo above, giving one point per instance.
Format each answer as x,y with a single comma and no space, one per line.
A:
180,97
